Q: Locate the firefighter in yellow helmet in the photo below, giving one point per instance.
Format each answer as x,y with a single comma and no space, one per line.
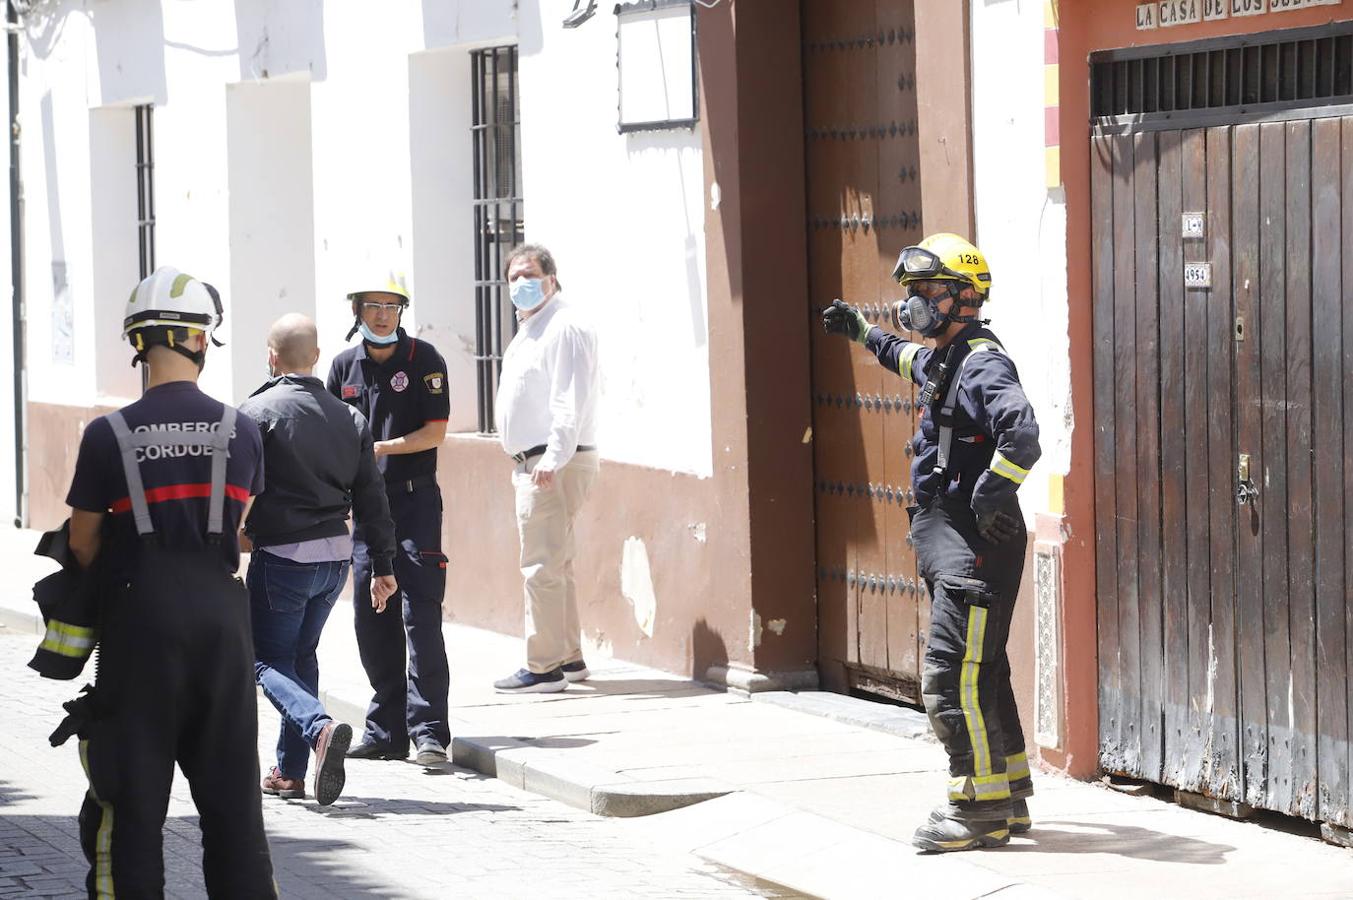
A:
977,441
398,383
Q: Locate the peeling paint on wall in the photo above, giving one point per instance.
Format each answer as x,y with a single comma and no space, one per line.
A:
778,626
754,639
698,531
636,584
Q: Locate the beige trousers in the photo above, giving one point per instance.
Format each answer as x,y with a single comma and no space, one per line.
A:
545,527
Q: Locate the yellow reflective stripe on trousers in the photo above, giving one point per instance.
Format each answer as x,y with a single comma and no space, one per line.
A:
103,841
967,692
1005,468
904,360
1017,766
74,641
979,787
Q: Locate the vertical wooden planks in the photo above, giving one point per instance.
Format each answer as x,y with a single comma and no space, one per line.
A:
1246,177
1327,399
1198,306
897,191
1299,796
1125,466
1272,501
1106,535
1327,241
1347,358
1125,472
1148,376
1173,459
1224,771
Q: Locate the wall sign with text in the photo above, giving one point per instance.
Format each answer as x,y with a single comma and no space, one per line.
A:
1169,13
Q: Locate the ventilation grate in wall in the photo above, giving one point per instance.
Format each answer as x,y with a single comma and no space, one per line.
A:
1237,77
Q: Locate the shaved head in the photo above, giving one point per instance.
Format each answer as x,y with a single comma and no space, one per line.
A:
294,340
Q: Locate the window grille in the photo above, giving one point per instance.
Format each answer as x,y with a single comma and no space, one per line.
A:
498,212
1224,80
145,187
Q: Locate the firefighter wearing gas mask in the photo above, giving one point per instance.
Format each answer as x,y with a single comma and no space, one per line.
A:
977,441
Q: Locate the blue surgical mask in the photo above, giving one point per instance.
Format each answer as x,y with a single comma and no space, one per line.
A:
372,338
528,293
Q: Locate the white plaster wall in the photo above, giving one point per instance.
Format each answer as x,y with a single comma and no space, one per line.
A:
624,217
54,117
360,127
8,506
272,235
1021,225
387,88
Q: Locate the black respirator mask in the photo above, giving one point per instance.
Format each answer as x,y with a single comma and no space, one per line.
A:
923,316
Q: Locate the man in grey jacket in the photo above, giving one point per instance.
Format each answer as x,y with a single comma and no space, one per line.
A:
317,453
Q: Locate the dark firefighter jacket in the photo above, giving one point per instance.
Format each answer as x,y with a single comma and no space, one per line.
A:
995,440
68,599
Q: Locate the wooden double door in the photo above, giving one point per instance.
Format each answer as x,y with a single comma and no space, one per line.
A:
1223,342
864,206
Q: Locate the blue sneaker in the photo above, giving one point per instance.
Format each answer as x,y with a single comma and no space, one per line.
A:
576,671
528,682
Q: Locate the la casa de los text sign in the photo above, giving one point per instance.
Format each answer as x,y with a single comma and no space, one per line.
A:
1169,13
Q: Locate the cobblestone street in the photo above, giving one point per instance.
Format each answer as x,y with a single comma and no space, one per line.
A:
398,830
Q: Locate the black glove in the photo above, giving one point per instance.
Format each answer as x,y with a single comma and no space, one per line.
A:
843,319
997,527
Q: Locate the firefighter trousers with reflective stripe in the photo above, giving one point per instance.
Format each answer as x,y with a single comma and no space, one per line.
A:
966,677
402,649
175,685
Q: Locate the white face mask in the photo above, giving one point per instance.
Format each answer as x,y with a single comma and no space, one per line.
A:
372,338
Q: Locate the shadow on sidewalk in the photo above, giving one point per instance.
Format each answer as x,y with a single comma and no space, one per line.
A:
498,742
1120,840
44,859
384,807
640,688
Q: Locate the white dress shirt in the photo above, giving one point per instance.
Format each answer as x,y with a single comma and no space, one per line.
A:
547,394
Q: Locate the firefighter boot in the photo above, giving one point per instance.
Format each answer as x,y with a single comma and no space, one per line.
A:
951,828
1019,820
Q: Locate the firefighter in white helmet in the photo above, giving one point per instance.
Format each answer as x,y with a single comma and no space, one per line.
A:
159,491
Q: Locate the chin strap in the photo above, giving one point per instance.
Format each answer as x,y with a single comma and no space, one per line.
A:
199,357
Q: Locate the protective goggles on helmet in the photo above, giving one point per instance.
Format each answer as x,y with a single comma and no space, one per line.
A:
918,264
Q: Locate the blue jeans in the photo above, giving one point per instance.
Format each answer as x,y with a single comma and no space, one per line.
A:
290,602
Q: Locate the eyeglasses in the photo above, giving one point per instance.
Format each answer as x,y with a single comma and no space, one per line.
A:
370,306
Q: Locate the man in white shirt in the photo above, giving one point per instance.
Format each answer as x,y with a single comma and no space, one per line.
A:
546,417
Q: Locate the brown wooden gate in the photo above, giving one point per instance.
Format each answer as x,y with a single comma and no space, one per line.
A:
1222,421
864,205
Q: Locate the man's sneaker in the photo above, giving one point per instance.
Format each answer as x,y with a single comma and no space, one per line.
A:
528,682
1019,821
279,785
369,749
944,833
430,752
329,751
576,671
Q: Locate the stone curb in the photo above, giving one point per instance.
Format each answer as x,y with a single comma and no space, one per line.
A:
551,773
898,721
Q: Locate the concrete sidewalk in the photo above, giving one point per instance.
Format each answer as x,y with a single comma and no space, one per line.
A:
815,792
